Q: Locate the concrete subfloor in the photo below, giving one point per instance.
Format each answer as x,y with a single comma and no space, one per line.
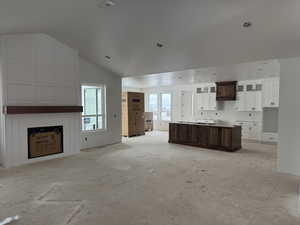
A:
146,181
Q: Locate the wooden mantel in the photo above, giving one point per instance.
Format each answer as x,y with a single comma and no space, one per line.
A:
41,109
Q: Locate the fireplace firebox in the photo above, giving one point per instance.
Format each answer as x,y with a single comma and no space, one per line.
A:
44,141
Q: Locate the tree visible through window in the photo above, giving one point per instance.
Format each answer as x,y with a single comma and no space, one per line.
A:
93,99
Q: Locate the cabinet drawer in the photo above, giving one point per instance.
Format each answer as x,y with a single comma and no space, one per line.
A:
270,137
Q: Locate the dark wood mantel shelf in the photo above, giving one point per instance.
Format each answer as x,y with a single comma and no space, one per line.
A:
41,109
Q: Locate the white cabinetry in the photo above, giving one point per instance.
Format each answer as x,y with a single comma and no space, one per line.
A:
270,137
186,105
271,92
250,129
249,96
205,98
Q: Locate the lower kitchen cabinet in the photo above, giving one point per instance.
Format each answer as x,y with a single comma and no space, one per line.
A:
206,136
250,130
214,136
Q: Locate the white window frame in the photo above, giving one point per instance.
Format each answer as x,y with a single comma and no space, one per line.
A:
103,106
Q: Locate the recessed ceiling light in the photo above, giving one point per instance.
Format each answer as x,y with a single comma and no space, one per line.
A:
159,45
106,3
247,24
108,57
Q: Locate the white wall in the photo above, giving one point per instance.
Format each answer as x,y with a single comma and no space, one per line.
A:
39,70
90,73
289,112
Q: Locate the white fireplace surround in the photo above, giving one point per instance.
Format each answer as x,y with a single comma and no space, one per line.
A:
16,144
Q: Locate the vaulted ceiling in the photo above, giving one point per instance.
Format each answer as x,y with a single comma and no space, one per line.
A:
195,33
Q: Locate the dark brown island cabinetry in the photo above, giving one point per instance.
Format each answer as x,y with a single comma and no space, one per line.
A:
220,137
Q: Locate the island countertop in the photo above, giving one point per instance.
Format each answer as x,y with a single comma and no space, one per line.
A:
226,125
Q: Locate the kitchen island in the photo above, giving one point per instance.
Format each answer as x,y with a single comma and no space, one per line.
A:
224,137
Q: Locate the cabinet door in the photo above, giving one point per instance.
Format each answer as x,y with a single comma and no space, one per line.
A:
271,92
186,105
203,135
173,132
226,137
214,136
250,101
212,103
267,93
200,102
258,103
194,135
206,101
241,103
183,133
275,88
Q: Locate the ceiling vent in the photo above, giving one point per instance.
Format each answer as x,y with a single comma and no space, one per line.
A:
106,4
159,45
247,24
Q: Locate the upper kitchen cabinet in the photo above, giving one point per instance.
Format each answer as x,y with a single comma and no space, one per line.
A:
249,96
205,98
271,92
226,91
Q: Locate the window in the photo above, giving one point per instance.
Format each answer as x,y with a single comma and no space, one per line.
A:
93,100
153,105
165,107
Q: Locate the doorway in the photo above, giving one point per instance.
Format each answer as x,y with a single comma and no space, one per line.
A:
161,106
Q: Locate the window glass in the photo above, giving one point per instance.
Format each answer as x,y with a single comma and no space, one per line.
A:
89,122
99,97
166,106
89,101
153,105
93,100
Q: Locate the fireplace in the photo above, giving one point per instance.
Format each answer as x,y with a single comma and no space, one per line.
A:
44,141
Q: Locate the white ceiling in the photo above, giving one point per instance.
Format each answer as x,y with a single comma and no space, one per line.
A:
195,33
243,71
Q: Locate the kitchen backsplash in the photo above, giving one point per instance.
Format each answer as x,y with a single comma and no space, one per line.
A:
229,114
